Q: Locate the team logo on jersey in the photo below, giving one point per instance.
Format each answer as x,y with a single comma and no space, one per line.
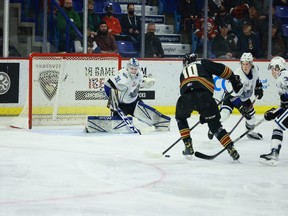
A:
49,82
5,83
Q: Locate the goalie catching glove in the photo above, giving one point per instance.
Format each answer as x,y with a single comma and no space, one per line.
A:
147,82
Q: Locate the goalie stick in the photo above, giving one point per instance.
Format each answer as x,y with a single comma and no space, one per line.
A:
128,122
211,157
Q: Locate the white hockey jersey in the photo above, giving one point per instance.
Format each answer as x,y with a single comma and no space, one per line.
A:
128,86
282,82
249,82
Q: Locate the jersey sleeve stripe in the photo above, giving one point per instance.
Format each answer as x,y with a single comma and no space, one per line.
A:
226,73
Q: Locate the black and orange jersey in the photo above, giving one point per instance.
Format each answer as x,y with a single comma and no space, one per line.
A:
199,75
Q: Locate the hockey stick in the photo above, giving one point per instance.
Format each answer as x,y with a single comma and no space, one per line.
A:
128,122
231,131
211,157
148,154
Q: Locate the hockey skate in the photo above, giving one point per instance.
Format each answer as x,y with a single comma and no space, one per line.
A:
188,151
271,158
210,135
233,152
254,135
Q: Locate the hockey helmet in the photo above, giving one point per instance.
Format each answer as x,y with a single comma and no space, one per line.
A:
189,58
277,63
133,66
247,57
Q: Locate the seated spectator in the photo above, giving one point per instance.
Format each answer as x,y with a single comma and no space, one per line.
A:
153,46
248,41
114,26
224,45
105,41
224,17
211,34
256,23
91,43
61,25
131,25
278,45
93,18
239,9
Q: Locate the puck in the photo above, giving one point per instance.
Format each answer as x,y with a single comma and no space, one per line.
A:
167,155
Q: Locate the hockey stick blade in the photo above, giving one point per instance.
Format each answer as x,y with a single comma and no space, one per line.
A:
211,157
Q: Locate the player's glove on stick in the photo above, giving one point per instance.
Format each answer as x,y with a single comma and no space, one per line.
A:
258,92
236,84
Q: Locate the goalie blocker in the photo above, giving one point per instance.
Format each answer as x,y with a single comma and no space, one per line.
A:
115,124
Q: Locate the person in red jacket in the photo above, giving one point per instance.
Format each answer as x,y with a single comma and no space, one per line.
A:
113,23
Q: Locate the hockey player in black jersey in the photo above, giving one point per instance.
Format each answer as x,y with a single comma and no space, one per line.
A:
196,93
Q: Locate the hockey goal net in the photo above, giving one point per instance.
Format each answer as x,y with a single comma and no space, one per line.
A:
65,88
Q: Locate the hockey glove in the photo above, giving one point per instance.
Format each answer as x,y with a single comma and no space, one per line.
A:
284,101
147,82
202,119
258,92
236,84
273,113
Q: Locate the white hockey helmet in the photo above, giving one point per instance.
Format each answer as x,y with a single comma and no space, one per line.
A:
277,63
247,57
133,66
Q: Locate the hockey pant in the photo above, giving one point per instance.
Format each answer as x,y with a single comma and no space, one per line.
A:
151,116
280,125
204,103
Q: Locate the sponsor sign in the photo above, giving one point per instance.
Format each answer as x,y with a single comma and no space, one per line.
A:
9,82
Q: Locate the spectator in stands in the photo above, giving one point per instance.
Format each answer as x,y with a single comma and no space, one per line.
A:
91,43
248,41
131,25
188,12
224,45
239,9
105,41
256,23
93,18
153,46
113,23
224,17
211,34
278,45
61,25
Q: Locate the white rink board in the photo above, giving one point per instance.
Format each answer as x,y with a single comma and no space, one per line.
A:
166,72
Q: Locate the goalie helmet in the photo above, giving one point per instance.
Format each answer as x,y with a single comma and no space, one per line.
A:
133,66
189,58
247,57
277,63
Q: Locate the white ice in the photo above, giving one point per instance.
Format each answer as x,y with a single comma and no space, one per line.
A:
62,171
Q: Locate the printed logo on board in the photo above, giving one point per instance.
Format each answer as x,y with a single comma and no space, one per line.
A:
49,83
5,83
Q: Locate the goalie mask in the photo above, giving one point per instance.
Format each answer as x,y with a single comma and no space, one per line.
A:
189,58
246,62
133,67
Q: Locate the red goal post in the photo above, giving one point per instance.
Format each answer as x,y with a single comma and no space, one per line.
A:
65,88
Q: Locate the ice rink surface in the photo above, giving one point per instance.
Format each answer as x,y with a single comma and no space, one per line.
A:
62,171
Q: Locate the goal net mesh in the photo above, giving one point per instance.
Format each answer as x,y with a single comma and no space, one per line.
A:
66,88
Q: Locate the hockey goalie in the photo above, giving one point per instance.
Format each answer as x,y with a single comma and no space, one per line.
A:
123,93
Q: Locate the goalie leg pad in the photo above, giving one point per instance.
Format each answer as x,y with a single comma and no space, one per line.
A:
152,117
109,124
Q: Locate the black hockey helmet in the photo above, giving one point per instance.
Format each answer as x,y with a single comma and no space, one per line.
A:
189,58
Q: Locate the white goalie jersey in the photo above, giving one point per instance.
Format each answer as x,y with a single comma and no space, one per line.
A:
249,82
128,86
